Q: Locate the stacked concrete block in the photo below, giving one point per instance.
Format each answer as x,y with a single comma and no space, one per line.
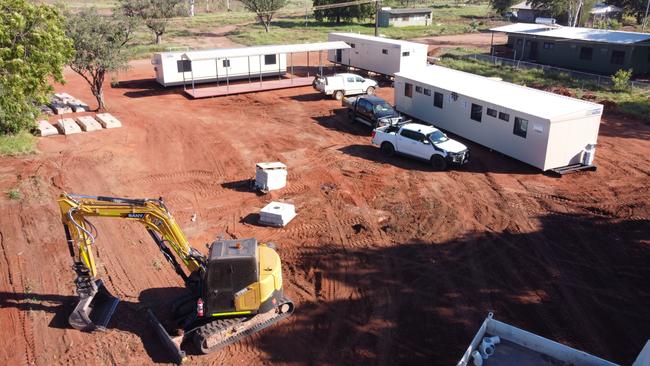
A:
67,126
108,121
59,107
88,124
46,129
75,104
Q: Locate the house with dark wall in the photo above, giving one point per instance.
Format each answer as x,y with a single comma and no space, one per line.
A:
583,49
525,12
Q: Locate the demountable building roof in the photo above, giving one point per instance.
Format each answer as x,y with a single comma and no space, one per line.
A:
602,9
516,97
406,11
375,39
262,50
576,33
524,5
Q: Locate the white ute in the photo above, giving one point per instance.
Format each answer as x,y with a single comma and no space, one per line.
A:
421,142
341,85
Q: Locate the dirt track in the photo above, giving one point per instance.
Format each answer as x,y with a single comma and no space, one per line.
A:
387,261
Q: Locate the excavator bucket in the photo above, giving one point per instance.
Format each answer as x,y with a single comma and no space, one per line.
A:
95,311
172,343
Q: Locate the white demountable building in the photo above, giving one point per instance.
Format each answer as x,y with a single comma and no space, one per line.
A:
377,54
178,68
546,130
226,64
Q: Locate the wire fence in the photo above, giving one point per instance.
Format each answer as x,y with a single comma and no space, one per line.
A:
599,80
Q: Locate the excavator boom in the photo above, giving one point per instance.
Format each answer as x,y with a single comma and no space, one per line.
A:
96,305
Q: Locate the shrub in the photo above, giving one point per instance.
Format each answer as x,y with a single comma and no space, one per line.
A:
621,80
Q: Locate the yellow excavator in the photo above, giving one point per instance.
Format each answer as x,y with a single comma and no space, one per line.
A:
234,291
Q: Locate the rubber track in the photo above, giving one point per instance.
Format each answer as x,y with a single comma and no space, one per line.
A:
218,326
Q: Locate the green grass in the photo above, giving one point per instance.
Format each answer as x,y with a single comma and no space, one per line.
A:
18,144
635,102
293,30
184,32
14,194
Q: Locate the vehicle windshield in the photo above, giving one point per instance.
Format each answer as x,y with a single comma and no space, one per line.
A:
437,137
384,109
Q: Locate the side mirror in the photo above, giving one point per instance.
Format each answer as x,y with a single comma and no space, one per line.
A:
426,142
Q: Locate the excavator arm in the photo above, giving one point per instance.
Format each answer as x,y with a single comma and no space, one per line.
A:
96,305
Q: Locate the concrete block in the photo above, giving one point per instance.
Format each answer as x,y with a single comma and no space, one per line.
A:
277,214
108,121
46,110
46,129
88,124
67,126
75,104
60,108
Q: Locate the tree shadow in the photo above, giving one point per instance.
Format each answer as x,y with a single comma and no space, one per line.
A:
129,316
579,280
141,88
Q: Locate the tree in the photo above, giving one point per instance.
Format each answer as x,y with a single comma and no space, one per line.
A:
33,50
99,42
155,13
344,13
264,9
501,6
635,8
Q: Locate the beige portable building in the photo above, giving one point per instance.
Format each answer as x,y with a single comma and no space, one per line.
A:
545,130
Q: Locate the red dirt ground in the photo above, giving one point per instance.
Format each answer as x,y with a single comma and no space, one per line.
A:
387,261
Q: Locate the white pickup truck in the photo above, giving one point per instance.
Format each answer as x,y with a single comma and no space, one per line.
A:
421,142
341,85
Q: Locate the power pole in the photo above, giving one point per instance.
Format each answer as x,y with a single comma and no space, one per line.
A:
645,20
377,18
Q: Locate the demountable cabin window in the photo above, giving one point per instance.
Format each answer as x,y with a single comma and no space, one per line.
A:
427,91
184,65
407,53
269,60
352,45
438,98
477,112
408,90
521,127
492,112
226,63
618,57
418,89
384,51
504,116
586,53
549,45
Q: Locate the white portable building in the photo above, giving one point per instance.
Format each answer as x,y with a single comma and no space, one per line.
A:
179,68
377,54
546,130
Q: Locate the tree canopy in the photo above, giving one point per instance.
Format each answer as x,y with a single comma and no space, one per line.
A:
33,49
346,13
155,13
501,6
99,42
264,9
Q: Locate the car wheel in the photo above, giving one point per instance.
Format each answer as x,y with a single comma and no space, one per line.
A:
387,149
370,90
338,95
438,163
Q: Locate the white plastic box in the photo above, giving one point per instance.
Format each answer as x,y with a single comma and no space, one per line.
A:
277,214
270,176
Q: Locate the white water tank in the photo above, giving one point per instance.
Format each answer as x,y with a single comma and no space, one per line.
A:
270,176
277,214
